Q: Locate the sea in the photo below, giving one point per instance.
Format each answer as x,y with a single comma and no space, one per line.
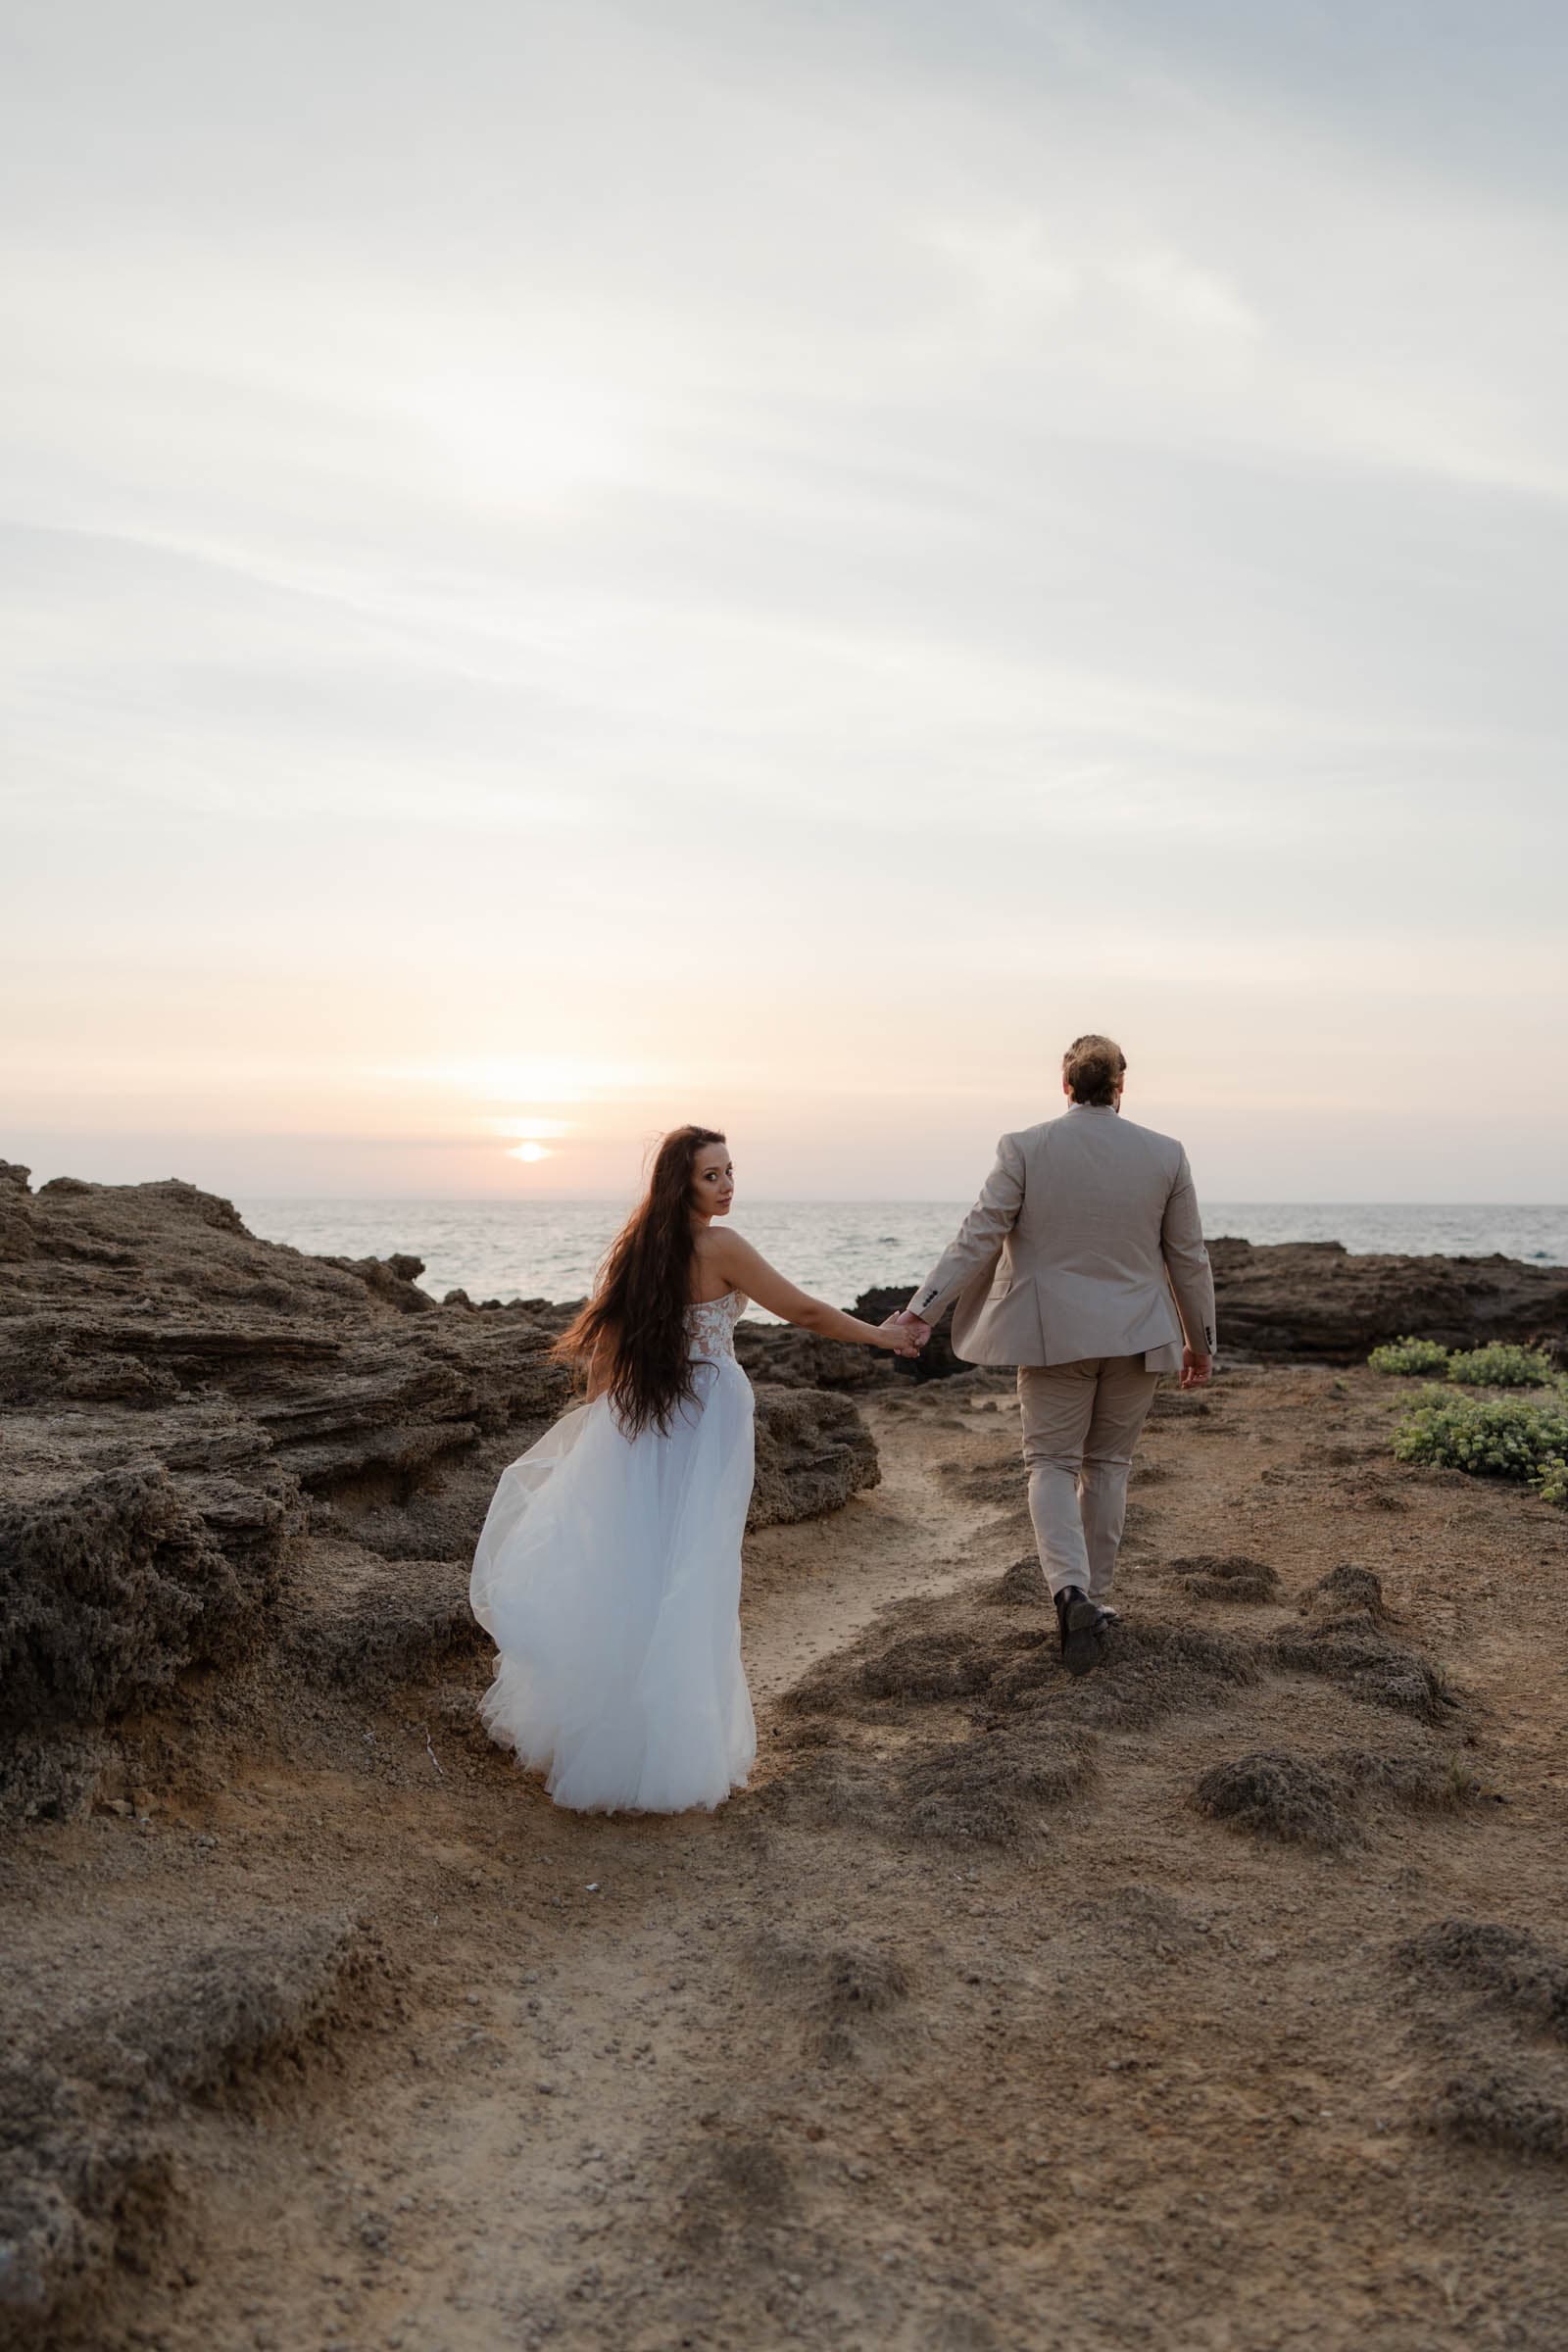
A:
835,1248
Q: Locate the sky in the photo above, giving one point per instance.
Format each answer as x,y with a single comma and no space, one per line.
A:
571,567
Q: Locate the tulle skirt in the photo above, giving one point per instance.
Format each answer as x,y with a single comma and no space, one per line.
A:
609,1574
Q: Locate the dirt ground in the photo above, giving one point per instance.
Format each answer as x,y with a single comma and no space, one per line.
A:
972,2023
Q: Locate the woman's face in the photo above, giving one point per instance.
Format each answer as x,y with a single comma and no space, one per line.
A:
712,1180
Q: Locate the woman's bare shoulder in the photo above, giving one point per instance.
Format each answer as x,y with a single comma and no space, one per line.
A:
727,1246
715,1259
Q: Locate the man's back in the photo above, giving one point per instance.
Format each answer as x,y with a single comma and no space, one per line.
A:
1095,1186
1086,1242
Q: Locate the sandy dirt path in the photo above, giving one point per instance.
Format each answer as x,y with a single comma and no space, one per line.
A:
910,1535
1027,2061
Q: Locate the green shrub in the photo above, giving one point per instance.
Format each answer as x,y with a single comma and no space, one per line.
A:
1500,1366
1409,1356
1491,1437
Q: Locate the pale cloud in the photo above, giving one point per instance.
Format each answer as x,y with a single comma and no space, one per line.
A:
717,539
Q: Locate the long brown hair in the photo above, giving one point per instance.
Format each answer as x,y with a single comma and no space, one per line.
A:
637,1314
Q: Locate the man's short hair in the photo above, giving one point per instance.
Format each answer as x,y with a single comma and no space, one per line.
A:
1092,1066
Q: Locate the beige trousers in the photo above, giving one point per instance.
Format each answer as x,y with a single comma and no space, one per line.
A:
1080,1424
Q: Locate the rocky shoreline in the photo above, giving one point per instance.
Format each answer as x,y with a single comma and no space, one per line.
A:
196,1421
1318,1302
239,1488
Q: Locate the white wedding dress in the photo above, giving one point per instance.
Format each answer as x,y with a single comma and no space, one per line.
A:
608,1575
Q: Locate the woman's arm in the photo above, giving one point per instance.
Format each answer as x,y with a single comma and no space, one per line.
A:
746,1269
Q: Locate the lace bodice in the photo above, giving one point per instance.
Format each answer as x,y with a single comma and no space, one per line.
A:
711,1327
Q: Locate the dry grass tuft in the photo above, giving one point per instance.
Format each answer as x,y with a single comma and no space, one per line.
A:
256,1995
939,1663
1315,1800
1508,1964
1420,1783
1494,2110
1280,1795
1021,1587
806,1732
1175,1404
1229,1575
1368,1490
1345,1592
1364,1662
995,1483
928,1666
1146,1672
86,2168
990,1791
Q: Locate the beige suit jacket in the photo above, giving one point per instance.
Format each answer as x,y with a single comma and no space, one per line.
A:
1086,1242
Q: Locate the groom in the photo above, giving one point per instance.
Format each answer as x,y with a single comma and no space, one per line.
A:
1083,1263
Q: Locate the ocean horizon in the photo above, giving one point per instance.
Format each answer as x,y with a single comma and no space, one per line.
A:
836,1249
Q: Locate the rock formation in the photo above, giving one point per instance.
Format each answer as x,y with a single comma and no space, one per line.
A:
1315,1298
214,1445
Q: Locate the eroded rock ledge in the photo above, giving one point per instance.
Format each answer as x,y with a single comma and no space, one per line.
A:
216,1449
1319,1299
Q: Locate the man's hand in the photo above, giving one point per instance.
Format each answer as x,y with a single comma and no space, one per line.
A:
921,1332
1196,1369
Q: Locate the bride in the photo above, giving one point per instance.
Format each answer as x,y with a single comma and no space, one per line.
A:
609,1569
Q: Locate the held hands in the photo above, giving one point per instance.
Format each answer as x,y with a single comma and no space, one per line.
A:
1196,1369
909,1333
